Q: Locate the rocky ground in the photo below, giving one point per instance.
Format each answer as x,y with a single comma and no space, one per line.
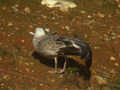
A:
95,21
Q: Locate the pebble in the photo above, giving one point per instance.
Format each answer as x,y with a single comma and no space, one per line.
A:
63,5
67,28
112,58
5,77
96,47
31,63
90,88
43,16
109,16
15,8
82,12
0,58
119,54
89,16
66,89
86,36
110,36
32,71
52,80
22,41
27,10
100,80
4,8
27,64
100,15
16,5
27,69
41,84
30,26
117,1
118,5
116,64
2,84
10,24
118,36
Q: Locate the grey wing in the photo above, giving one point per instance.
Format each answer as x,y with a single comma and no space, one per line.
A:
70,46
74,47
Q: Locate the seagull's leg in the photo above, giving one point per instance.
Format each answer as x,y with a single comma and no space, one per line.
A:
64,67
55,63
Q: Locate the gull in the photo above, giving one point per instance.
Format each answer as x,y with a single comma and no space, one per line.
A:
53,46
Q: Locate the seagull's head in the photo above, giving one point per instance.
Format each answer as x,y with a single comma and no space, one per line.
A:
38,32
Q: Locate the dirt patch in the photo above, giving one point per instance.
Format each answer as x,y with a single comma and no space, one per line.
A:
96,22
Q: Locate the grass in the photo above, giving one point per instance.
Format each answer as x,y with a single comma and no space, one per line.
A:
117,85
69,69
112,86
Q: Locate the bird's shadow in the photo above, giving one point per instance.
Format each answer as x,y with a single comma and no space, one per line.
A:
80,68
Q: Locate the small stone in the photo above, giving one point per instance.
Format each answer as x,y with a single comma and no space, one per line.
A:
109,15
52,80
41,84
101,15
5,77
86,36
27,64
15,7
82,11
65,88
52,18
90,88
63,5
2,84
27,69
45,17
32,71
112,58
10,24
27,10
31,63
22,41
100,80
118,5
31,26
96,47
61,76
116,64
118,36
4,8
67,28
89,16
0,58
117,1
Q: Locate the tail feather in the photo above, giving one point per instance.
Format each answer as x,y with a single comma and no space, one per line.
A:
88,59
84,53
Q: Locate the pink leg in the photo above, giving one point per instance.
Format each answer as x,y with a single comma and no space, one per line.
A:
56,62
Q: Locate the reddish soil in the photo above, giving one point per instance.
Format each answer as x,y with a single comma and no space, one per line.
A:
96,22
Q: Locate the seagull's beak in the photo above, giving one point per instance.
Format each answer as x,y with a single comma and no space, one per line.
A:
32,33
